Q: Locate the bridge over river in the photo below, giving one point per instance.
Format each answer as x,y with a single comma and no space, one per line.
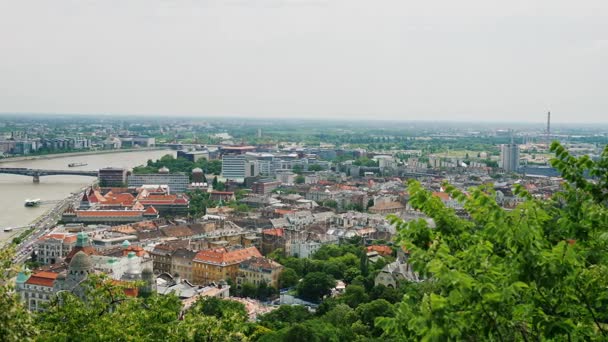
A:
37,173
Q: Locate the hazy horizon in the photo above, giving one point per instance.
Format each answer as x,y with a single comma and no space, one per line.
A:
467,61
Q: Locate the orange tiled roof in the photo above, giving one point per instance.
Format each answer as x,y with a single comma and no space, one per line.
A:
66,238
444,196
43,278
381,249
221,256
125,199
387,206
283,211
151,211
274,231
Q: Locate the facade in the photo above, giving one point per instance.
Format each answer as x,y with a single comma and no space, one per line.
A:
509,157
52,248
264,187
36,289
181,263
177,182
214,265
140,141
111,176
237,167
161,258
259,270
166,204
110,217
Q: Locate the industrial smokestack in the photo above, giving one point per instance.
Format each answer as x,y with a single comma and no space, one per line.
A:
548,123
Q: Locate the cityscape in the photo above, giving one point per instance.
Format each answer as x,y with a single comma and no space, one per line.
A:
231,210
303,171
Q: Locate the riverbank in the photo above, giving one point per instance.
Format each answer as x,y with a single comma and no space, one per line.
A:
75,154
25,237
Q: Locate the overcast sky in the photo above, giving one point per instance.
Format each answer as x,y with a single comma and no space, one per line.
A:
412,60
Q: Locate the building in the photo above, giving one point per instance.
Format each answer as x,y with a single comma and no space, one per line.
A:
161,257
224,196
273,239
509,157
39,288
198,176
137,141
165,204
194,156
111,176
385,208
214,265
109,216
259,270
397,272
181,263
264,186
177,182
52,248
237,167
36,289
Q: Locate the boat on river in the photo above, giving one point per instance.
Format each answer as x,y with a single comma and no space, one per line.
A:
77,164
32,202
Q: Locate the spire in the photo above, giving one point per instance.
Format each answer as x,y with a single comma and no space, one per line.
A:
82,239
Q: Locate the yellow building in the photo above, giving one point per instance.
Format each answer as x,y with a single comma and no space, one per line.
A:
259,270
213,265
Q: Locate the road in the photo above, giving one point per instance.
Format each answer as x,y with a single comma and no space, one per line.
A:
43,225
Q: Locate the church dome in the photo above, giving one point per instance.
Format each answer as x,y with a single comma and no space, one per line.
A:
126,244
81,262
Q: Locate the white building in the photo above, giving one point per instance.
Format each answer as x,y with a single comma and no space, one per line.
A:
177,182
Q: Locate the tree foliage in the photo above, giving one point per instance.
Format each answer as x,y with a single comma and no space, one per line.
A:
538,272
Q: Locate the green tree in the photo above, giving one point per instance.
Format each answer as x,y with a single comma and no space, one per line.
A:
315,285
315,167
354,295
300,179
288,278
284,316
17,324
368,312
330,204
538,272
297,169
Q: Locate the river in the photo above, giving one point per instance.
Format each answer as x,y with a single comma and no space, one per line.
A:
14,189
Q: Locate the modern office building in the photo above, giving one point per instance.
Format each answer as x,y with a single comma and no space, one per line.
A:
238,167
112,177
509,157
177,182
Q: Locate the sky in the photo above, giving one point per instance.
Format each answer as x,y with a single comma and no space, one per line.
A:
466,60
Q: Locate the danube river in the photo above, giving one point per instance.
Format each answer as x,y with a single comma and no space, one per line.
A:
14,189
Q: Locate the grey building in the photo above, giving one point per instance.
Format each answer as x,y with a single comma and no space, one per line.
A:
177,182
238,167
509,157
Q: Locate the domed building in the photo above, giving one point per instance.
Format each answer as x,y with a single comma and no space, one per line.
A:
79,269
82,245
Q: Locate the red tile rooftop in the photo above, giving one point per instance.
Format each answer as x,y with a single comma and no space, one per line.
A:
442,195
225,257
274,231
43,278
